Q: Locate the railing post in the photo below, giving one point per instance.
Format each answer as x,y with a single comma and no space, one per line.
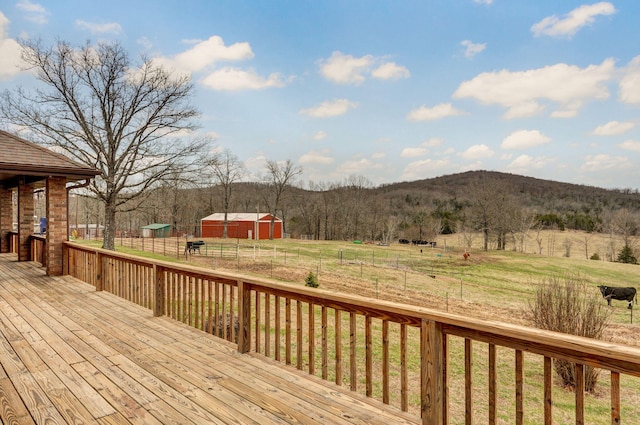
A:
158,278
244,316
65,259
432,373
99,272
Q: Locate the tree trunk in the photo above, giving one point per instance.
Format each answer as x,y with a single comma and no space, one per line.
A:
272,225
225,228
108,241
485,245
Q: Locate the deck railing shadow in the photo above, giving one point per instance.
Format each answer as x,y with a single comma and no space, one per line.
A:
400,354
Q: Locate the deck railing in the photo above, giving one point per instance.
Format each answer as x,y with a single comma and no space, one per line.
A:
13,242
38,252
37,244
406,356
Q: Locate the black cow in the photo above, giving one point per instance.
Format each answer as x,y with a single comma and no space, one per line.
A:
610,292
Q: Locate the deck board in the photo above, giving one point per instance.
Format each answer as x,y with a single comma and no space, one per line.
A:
70,354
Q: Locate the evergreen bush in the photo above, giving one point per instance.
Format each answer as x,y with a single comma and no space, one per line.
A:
311,280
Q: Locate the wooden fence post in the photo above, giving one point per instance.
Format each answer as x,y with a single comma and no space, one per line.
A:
65,259
432,404
159,302
244,316
99,271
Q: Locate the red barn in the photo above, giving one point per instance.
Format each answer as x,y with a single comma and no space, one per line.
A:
240,226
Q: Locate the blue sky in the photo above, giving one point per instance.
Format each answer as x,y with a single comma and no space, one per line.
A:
390,90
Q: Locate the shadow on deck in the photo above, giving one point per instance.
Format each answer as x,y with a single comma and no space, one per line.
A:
70,354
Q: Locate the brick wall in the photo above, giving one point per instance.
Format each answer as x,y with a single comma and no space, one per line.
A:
57,229
6,218
25,220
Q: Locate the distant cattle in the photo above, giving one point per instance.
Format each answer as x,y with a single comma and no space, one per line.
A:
420,242
626,294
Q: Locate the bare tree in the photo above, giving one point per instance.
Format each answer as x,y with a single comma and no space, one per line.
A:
227,169
390,228
625,223
103,111
279,178
493,210
355,191
523,222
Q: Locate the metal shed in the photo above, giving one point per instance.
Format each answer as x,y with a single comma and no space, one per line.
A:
241,226
156,230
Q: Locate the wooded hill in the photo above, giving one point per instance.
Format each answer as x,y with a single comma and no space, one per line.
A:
497,202
545,195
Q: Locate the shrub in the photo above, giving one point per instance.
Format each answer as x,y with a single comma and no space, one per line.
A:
311,280
570,306
595,257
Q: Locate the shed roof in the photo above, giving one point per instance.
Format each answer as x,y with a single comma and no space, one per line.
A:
239,217
156,226
19,157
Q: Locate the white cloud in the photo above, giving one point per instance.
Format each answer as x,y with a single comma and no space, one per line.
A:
414,152
358,167
94,28
472,49
630,83
9,52
601,162
437,112
320,135
212,135
523,139
211,51
613,128
330,108
524,163
630,145
425,168
347,69
205,53
570,24
257,163
34,12
233,79
145,43
378,155
317,157
422,149
477,152
433,142
521,91
390,71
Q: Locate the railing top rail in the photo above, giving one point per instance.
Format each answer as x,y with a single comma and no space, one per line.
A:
616,357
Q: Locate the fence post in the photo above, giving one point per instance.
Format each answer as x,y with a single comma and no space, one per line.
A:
99,271
65,259
432,375
158,278
244,317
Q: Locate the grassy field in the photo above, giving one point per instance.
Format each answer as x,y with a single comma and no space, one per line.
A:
495,285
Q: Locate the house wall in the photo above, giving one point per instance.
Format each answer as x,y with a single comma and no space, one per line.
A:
6,218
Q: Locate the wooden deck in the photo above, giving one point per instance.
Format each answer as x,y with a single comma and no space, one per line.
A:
70,354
